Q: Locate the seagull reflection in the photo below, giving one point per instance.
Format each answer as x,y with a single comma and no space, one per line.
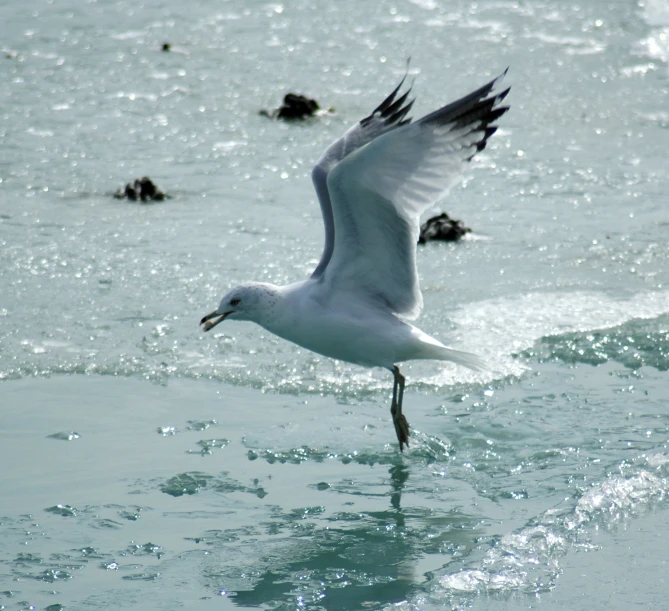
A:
399,474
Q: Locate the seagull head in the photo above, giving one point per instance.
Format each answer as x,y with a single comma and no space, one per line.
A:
252,301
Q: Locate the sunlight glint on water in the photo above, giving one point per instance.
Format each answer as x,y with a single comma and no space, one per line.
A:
152,466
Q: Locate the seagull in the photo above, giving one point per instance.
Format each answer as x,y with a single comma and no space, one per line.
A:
373,183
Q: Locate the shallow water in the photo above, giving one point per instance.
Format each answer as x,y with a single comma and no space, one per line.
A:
148,465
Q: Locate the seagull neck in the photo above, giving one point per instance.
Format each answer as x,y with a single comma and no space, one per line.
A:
279,309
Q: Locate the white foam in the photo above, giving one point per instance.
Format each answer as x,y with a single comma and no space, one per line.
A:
656,45
528,560
499,328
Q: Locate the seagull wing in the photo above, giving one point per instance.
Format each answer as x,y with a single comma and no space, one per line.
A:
379,191
389,115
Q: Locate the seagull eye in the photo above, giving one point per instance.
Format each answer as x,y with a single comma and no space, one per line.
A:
235,302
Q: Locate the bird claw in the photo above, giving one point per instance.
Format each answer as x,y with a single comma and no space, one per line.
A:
401,427
402,430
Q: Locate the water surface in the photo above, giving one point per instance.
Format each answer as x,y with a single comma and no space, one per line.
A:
148,465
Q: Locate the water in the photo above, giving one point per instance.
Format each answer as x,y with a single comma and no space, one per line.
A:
147,465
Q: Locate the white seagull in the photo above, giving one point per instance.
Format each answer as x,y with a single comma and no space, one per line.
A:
373,184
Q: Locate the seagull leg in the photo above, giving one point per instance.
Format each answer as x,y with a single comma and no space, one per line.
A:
400,422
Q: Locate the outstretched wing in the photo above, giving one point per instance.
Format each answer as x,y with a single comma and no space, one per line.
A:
379,191
388,115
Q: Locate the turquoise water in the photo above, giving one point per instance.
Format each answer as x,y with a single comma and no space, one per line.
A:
149,466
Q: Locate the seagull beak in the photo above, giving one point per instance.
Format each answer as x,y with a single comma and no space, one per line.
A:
207,322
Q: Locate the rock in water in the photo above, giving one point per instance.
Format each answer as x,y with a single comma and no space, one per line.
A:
294,107
297,107
442,227
141,189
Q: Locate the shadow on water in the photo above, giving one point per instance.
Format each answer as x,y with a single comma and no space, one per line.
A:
399,475
348,560
348,566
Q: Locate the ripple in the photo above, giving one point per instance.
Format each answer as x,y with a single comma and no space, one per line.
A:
208,445
637,343
141,577
527,560
64,436
186,483
67,511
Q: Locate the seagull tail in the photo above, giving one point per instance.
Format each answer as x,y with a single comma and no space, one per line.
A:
431,348
466,359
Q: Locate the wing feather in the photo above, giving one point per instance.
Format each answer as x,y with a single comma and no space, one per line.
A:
388,115
378,192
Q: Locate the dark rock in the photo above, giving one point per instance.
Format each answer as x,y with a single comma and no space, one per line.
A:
142,189
294,107
297,107
442,227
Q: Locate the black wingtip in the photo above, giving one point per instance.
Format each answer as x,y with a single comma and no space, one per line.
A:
476,112
501,96
390,106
